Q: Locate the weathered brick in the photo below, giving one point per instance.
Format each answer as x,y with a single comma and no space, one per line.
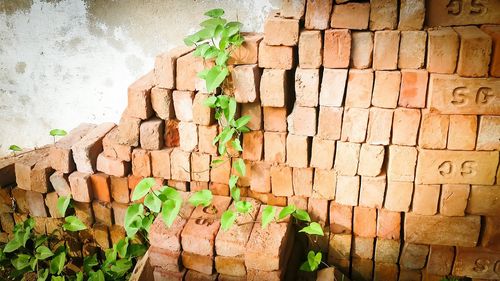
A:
281,31
160,163
340,218
462,167
171,133
275,119
322,153
462,132
275,147
187,69
379,126
231,266
337,48
111,166
359,88
165,68
51,203
324,184
102,213
281,180
362,269
36,203
303,181
60,183
112,147
339,247
139,97
383,14
61,156
199,263
347,190
386,89
255,112
387,250
86,150
425,199
19,195
442,50
494,32
205,136
398,196
355,124
141,163
202,114
410,274
412,49
33,172
385,271
101,187
439,230
469,260
188,136
361,49
200,167
330,122
119,211
365,222
413,256
351,15
401,165
386,49
411,14
371,158
293,9
413,91
405,126
183,105
453,200
180,167
280,57
261,177
491,233
302,121
161,101
488,137
333,84
440,259
483,201
347,158
247,53
362,248
475,51
388,224
246,82
372,191
318,14
253,145
119,189
306,87
310,49
129,131
81,187
444,13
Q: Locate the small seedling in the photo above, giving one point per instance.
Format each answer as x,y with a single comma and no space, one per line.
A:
14,148
57,133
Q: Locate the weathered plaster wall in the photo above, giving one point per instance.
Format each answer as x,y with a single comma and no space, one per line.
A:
63,62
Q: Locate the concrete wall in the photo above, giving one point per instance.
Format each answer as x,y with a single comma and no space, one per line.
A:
63,62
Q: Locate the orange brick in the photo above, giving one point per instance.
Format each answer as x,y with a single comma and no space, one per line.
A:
413,88
188,136
333,86
139,97
111,166
119,211
318,14
411,14
491,233
61,156
405,126
434,131
298,201
160,163
355,124
293,9
475,51
86,150
161,101
280,57
101,187
221,172
253,145
494,32
202,114
183,105
261,177
412,49
413,256
255,112
7,222
141,163
306,87
274,87
275,119
365,222
219,188
425,199
200,167
246,79
102,213
359,88
442,50
329,122
165,67
303,181
453,200
180,168
275,147
60,184
385,271
483,200
281,31
489,133
302,121
119,189
361,49
151,134
247,53
440,259
171,133
379,126
347,190
177,184
398,196
383,14
300,147
310,49
347,158
337,48
372,191
351,15
205,136
402,162
386,89
362,250
324,184
371,159
187,69
340,218
112,148
81,187
322,153
385,50
462,132
281,180
388,224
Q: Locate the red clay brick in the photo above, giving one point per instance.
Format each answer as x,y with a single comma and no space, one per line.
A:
188,136
405,126
318,14
329,122
442,50
324,184
333,86
129,131
261,177
310,49
161,101
86,150
306,87
440,259
372,191
347,190
253,145
365,222
180,167
141,163
300,147
183,105
303,181
355,124
202,114
401,164
475,51
359,88
385,50
60,184
398,196
411,14
275,147
413,88
200,167
187,69
462,132
113,149
280,57
101,187
386,89
379,126
302,121
383,14
488,134
247,53
119,190
281,180
281,31
346,158
361,50
171,133
139,97
293,9
165,67
81,188
413,256
110,166
205,136
255,112
337,48
322,153
160,163
412,49
371,159
494,32
388,224
246,82
61,156
453,200
351,16
434,131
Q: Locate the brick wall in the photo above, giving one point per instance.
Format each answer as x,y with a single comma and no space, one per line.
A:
380,123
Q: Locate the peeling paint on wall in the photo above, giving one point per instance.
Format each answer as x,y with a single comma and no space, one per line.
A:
64,62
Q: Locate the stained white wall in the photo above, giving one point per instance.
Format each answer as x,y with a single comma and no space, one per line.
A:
64,62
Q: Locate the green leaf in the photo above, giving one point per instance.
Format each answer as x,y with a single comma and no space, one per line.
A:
237,145
231,109
211,53
57,278
153,203
96,276
242,121
235,193
147,221
137,250
43,273
40,240
286,211
79,276
205,33
43,252
133,219
57,263
227,219
191,39
142,188
168,192
15,148
233,180
305,267
89,262
202,197
169,211
313,261
243,206
21,262
223,101
227,136
73,223
58,132
313,228
222,58
301,215
215,77
210,101
12,245
232,24
217,162
122,246
121,267
244,129
240,167
62,204
215,13
268,215
213,22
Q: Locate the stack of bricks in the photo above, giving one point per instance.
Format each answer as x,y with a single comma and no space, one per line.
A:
379,118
